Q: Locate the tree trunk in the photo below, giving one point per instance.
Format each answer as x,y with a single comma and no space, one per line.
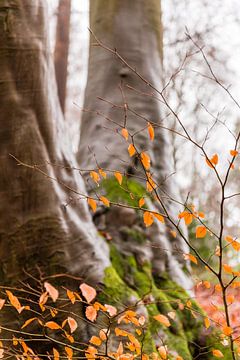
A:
134,29
37,229
61,49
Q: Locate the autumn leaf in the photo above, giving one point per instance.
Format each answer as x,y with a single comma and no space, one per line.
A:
163,352
56,355
141,202
105,201
88,292
207,284
92,203
159,217
227,330
145,160
191,258
91,313
148,218
103,334
207,322
233,152
14,301
72,324
201,231
227,268
102,173
151,131
162,319
213,161
111,309
131,150
95,340
173,233
172,315
69,352
27,322
95,176
71,296
124,133
52,291
119,177
2,302
52,325
217,353
187,216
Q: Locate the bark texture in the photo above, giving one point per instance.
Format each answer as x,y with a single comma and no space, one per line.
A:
134,29
61,49
36,229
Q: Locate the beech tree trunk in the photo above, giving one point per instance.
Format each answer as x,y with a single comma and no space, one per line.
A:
61,49
134,29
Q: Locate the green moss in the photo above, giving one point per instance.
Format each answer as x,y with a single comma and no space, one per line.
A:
128,193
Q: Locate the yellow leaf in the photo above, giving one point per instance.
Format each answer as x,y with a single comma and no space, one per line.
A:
217,353
227,330
148,218
71,296
207,322
213,161
69,352
151,131
27,322
145,160
102,173
95,176
91,313
125,133
92,203
159,217
201,231
72,324
52,291
105,201
191,258
162,319
88,292
95,340
56,355
118,176
52,325
233,152
131,150
141,202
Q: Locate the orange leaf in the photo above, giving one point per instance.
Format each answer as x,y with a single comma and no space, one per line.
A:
213,161
141,202
105,201
148,218
207,323
217,353
92,203
207,284
14,301
27,322
201,231
159,217
125,133
118,176
145,160
151,131
52,325
173,233
227,268
69,352
233,152
103,334
131,150
163,352
111,310
72,324
191,258
91,313
52,291
95,340
162,319
88,292
95,176
71,296
2,302
56,355
227,330
102,173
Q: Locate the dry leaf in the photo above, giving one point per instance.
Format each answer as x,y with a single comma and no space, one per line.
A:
88,292
52,291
